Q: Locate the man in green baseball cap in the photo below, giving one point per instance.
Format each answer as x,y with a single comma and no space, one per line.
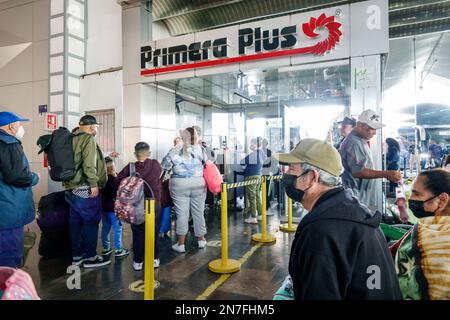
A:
339,239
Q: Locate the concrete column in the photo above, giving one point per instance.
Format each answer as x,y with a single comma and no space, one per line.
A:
366,93
148,111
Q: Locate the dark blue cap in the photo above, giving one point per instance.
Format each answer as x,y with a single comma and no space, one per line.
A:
9,117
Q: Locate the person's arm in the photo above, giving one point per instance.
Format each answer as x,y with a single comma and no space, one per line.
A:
357,162
391,175
16,172
89,164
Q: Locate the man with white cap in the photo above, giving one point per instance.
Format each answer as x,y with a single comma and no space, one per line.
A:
339,241
359,170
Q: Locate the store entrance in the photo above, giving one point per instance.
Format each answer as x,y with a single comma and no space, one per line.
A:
281,105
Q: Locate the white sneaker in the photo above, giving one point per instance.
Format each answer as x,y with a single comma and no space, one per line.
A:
137,266
259,218
201,244
178,248
156,263
251,220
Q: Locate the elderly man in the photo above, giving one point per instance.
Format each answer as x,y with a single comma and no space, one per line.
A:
339,251
360,173
16,198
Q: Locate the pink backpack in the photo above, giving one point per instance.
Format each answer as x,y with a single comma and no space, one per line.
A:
130,200
16,284
212,176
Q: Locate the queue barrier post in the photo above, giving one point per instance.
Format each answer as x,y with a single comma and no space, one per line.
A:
264,236
149,272
224,265
289,227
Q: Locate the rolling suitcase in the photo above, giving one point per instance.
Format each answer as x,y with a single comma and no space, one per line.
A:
53,220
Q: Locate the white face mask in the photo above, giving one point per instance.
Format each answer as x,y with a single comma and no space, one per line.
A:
20,133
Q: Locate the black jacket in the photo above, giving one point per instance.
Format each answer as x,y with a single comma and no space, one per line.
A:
109,194
335,249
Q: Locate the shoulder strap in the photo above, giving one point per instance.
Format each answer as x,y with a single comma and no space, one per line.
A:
132,168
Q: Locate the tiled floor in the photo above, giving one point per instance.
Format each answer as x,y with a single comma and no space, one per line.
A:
181,276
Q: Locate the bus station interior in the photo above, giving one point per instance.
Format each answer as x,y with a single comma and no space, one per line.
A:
282,102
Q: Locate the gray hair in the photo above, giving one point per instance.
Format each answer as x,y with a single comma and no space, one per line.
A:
325,178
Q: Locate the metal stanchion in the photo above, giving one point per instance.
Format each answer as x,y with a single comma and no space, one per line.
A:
289,227
149,272
264,236
224,265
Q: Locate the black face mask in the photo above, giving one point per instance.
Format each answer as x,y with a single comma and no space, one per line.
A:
416,206
289,181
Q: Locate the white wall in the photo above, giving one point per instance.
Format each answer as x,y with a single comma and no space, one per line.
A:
104,51
24,29
104,45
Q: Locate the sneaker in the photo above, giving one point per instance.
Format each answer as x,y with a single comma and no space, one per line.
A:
259,218
251,220
137,266
178,248
201,244
121,253
96,262
77,261
106,252
156,263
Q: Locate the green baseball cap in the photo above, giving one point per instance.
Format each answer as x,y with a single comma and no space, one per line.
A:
314,152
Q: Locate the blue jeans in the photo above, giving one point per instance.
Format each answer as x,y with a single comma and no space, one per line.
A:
11,247
85,215
109,220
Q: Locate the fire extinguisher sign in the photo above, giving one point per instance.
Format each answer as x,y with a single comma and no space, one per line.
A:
51,121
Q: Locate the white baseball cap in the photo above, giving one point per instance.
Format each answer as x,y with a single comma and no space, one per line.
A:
371,118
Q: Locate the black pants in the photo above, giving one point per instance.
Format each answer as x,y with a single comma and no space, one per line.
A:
139,238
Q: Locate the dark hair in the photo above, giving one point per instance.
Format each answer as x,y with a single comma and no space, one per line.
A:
141,147
108,160
446,160
437,181
192,132
392,143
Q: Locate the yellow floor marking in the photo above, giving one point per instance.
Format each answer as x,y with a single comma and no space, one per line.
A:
225,277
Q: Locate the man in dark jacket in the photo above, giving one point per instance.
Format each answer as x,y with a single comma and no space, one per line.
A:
16,198
339,251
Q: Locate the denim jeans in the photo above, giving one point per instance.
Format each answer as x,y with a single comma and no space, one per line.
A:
11,247
109,219
139,238
85,215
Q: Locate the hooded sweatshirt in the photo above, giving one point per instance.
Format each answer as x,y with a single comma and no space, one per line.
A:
340,253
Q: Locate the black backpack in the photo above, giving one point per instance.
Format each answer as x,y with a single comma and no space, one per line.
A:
59,150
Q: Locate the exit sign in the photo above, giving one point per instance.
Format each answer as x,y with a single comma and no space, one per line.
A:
51,121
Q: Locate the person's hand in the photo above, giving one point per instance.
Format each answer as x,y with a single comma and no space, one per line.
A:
94,192
404,217
394,176
115,154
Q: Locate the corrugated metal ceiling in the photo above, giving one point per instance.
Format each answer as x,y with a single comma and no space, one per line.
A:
407,17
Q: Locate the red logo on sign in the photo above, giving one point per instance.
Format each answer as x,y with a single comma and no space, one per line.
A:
334,34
